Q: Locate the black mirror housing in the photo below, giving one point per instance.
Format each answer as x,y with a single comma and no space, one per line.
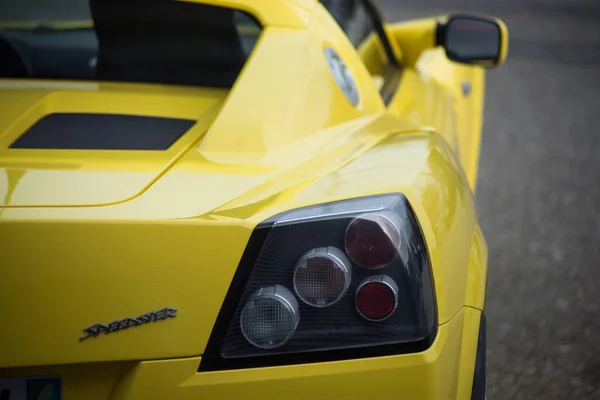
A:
469,39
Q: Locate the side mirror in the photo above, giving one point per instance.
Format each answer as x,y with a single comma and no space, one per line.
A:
473,40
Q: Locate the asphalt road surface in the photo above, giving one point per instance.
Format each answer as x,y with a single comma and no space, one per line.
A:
538,196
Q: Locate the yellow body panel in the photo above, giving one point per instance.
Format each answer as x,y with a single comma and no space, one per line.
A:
59,178
88,236
431,92
444,371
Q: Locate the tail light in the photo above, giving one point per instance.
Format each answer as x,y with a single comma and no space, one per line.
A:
342,280
377,297
372,240
270,317
322,276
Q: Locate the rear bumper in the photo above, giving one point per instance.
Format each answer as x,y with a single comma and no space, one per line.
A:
445,371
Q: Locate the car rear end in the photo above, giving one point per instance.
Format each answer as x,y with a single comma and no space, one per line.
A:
327,300
112,287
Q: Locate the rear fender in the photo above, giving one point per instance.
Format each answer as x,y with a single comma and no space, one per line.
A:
424,169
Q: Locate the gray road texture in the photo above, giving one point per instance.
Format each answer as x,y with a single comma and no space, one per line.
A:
538,192
538,196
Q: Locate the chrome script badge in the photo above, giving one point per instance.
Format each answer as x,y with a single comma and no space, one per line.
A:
119,325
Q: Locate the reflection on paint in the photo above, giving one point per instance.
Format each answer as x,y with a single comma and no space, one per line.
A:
59,188
175,195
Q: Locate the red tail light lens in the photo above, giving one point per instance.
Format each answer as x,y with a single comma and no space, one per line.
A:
377,298
372,241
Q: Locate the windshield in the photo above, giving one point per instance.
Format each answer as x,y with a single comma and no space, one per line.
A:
150,41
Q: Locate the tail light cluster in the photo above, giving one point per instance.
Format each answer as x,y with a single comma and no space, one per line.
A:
336,281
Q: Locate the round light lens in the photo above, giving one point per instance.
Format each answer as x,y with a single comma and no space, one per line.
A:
377,297
322,276
270,317
372,241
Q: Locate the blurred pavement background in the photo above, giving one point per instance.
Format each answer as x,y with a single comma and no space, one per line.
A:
538,196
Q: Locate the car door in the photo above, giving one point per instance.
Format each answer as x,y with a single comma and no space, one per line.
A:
448,98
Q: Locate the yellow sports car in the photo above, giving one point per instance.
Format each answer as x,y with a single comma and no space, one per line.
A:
253,199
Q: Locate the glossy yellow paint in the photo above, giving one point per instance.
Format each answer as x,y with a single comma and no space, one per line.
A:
118,234
505,39
442,372
431,92
429,375
62,178
412,37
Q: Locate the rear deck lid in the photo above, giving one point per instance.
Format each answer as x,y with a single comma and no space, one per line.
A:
94,144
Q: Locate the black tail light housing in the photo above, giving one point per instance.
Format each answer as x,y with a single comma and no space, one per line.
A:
344,280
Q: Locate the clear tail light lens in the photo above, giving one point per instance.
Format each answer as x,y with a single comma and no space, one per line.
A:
356,271
270,317
322,276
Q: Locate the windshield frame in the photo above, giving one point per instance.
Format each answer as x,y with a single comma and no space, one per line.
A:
378,27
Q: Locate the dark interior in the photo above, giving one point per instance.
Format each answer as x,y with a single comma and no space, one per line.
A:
153,41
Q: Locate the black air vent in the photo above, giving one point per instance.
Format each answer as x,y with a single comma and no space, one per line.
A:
102,132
